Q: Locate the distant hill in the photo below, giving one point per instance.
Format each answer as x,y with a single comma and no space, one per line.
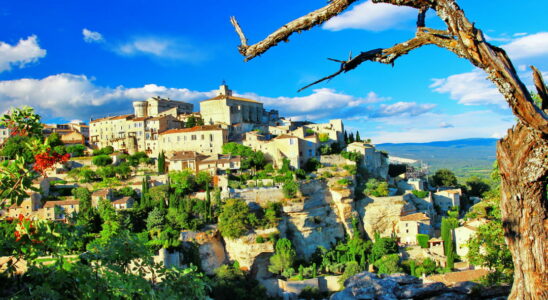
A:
465,157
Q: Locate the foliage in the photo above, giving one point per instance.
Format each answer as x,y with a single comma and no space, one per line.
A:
381,247
158,194
444,177
283,258
290,189
323,137
353,156
420,194
449,245
83,175
232,283
102,160
477,186
76,150
161,163
352,268
250,158
182,182
376,188
312,293
234,218
103,151
156,219
389,264
17,146
422,240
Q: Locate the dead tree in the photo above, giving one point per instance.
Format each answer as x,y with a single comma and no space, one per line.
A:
522,154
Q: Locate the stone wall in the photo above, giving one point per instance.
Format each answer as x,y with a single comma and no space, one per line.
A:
335,160
259,196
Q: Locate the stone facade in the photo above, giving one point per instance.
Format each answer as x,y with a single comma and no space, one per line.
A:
208,139
374,161
447,199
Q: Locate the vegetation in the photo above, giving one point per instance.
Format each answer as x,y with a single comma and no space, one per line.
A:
234,219
421,194
102,160
283,259
422,240
444,177
376,188
250,158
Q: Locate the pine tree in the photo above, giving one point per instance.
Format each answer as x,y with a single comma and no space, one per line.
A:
208,204
144,191
358,139
351,138
346,137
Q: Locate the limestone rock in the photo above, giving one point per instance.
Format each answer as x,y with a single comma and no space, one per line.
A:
245,249
382,214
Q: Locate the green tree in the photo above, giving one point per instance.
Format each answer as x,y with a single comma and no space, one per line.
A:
283,258
183,182
422,240
102,160
376,188
190,122
447,227
351,138
234,218
156,220
444,177
290,189
76,150
358,139
389,264
381,247
161,163
16,145
477,186
351,268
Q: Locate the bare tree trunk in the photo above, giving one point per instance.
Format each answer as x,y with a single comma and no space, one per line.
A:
523,162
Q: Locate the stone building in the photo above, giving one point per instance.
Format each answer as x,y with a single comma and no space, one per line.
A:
464,233
228,109
375,161
155,106
207,139
447,199
412,224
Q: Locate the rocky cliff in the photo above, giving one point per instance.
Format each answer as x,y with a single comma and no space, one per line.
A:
382,214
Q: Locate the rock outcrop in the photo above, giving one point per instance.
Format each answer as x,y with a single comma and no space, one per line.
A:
210,248
401,286
382,214
245,249
313,221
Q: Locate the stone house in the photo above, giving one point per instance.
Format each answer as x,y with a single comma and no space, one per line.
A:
123,203
29,207
447,199
207,139
59,210
220,163
412,224
182,160
464,233
376,162
72,138
96,196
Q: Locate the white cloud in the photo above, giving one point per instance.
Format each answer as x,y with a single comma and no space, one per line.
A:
471,88
25,52
374,17
92,36
528,46
76,96
402,109
160,47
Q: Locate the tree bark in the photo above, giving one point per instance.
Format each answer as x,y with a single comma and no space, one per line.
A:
523,163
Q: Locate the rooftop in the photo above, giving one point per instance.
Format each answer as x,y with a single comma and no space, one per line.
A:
221,97
61,202
195,128
415,217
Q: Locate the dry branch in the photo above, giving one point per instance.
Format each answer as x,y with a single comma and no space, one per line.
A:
306,22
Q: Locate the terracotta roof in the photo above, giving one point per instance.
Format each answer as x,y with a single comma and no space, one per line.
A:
61,202
101,193
140,119
121,117
415,217
122,200
99,120
195,128
221,158
455,277
219,97
186,155
285,136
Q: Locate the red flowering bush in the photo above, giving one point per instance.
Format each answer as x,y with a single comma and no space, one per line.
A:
47,159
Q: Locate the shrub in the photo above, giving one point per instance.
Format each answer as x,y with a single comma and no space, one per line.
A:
76,150
323,137
312,165
102,160
353,156
422,240
259,239
290,189
234,218
103,151
420,194
376,188
344,182
389,264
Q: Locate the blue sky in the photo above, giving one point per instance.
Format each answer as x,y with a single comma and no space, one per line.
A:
73,60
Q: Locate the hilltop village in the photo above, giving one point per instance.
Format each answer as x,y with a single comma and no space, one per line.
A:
294,207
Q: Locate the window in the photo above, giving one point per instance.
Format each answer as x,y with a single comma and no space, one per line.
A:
211,137
193,137
202,137
291,141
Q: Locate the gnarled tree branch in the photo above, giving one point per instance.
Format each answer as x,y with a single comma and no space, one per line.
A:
306,22
541,87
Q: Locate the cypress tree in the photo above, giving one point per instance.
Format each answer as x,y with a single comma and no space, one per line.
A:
208,203
346,137
446,235
358,139
161,163
351,138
